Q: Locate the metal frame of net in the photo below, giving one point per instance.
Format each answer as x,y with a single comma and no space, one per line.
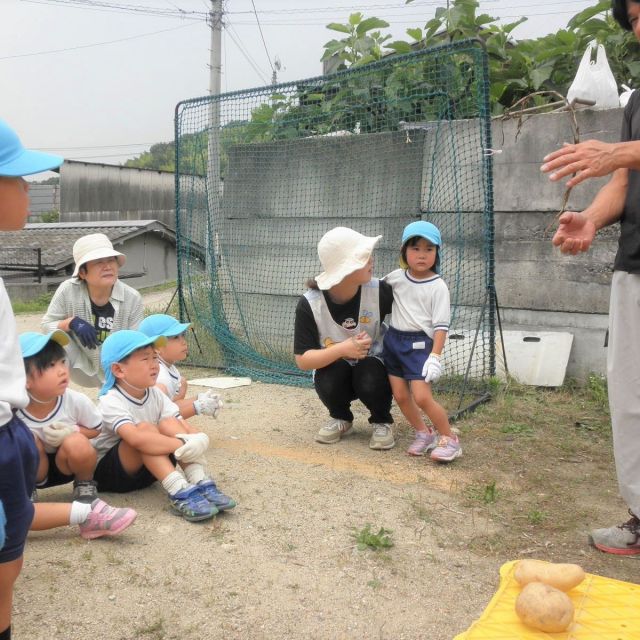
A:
262,174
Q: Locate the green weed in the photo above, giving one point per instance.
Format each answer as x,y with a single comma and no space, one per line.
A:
536,516
366,539
597,387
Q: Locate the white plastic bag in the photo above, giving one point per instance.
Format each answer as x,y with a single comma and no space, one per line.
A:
594,80
625,95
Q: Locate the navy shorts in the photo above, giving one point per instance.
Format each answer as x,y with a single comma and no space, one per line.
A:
405,353
18,468
111,476
55,477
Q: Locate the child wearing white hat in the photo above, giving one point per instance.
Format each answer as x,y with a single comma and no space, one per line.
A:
338,336
90,305
414,342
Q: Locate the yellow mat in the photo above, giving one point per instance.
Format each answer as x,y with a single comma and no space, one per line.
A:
605,609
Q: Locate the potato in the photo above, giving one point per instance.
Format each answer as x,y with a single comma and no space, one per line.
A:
560,576
544,608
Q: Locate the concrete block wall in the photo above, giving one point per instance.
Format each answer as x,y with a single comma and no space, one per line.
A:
268,187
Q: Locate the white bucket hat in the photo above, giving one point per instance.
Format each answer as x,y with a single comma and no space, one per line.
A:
93,247
343,251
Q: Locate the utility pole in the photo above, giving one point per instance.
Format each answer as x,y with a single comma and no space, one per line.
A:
214,182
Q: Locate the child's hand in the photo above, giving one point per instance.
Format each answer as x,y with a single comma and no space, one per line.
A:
55,433
195,444
208,403
432,369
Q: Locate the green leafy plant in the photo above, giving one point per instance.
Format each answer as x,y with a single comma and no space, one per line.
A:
536,516
366,539
517,428
597,386
50,216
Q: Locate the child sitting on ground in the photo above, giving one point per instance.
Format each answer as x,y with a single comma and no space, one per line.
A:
143,433
414,342
169,379
56,417
61,419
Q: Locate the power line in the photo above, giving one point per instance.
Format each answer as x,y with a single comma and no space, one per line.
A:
253,4
246,54
111,7
95,44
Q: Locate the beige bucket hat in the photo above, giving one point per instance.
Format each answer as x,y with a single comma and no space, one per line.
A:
93,247
343,251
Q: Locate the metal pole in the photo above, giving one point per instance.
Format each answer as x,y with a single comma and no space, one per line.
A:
213,159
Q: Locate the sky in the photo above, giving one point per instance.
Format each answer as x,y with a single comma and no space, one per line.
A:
98,80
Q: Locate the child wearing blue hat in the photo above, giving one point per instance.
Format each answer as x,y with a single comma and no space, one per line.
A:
170,381
62,420
18,453
143,433
417,333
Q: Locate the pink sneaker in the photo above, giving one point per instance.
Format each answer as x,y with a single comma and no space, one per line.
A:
104,520
423,442
448,449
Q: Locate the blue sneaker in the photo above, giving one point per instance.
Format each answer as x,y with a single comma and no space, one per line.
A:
214,496
191,505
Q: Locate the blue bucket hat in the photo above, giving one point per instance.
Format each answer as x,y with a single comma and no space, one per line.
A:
160,324
16,161
428,231
32,343
118,346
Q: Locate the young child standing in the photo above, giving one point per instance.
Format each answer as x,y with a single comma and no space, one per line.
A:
170,381
414,342
62,420
143,433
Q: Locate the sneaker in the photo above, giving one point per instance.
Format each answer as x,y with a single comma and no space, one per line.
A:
332,432
623,540
382,437
422,443
212,494
85,491
448,449
104,520
192,505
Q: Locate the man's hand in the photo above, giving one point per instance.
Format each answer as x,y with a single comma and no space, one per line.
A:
195,444
575,233
432,369
589,159
55,433
208,403
86,333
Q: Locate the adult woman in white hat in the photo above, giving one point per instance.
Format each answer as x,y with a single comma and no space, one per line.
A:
92,304
338,335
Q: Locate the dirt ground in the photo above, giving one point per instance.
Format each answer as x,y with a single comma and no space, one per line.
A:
284,563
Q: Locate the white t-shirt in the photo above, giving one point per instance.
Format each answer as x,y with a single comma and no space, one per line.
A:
118,408
13,380
419,305
170,377
72,407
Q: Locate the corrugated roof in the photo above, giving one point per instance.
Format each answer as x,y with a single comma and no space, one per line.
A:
56,239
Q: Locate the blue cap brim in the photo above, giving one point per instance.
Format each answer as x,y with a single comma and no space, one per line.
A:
30,162
32,343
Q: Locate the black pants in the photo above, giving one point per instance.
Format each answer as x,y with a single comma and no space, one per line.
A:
339,383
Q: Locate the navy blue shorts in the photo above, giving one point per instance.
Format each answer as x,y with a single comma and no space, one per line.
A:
111,476
18,468
405,352
55,477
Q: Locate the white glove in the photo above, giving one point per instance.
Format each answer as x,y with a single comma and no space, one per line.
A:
432,369
195,444
208,403
54,433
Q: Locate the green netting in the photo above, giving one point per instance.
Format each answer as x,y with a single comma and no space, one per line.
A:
262,174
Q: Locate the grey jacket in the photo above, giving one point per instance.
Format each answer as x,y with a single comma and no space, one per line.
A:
72,299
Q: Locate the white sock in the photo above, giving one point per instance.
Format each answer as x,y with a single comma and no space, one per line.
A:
79,512
174,482
194,473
